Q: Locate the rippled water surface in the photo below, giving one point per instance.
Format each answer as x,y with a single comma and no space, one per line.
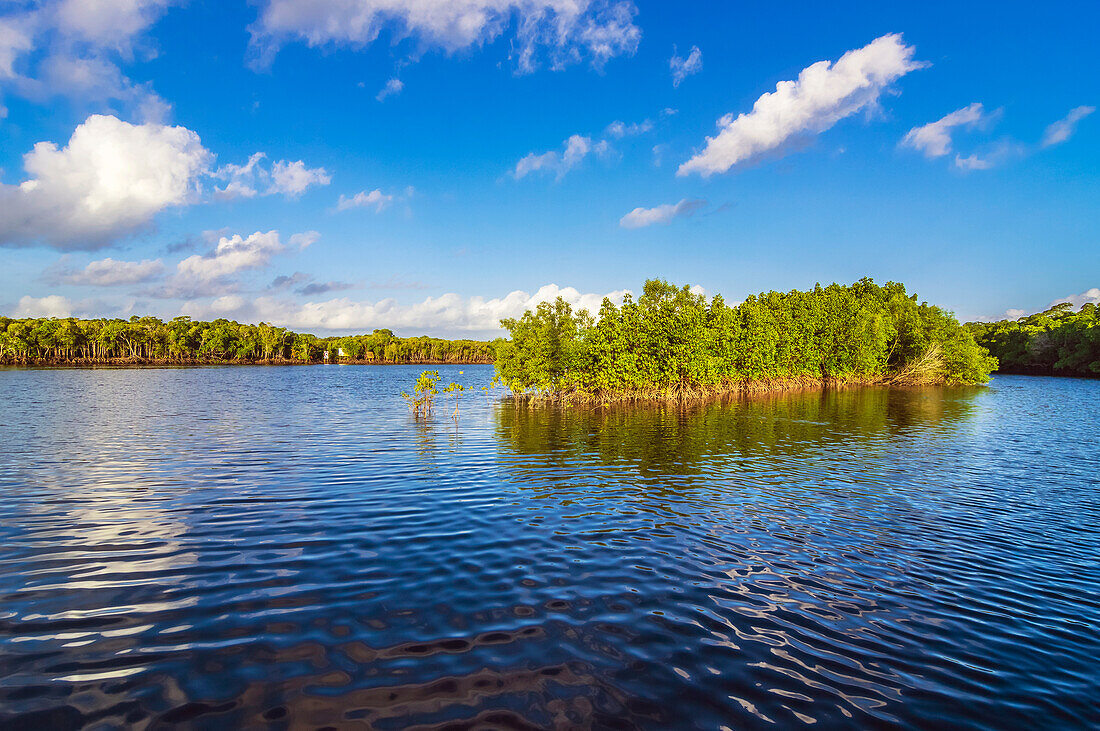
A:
287,547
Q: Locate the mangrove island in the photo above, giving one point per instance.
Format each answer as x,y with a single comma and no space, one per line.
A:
673,343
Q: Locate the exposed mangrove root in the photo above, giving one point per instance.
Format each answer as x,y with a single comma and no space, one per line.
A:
687,394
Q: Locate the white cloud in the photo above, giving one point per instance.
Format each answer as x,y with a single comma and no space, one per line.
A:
233,254
227,304
972,162
109,272
305,239
374,199
684,67
290,179
15,40
1076,300
1063,129
53,305
567,31
447,314
993,155
81,43
934,138
107,23
242,178
92,79
618,129
113,177
824,94
1088,296
392,87
110,180
641,217
575,149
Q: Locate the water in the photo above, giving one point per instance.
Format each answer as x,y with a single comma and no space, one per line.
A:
287,547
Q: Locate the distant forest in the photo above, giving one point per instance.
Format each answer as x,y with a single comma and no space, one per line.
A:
667,340
1058,342
672,343
149,340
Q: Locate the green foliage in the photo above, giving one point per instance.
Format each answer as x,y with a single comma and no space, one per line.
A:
180,340
456,389
425,390
1058,341
672,341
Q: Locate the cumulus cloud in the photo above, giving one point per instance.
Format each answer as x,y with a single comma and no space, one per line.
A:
1064,128
109,272
228,305
684,67
292,178
392,88
447,314
375,199
216,273
241,178
565,31
934,139
110,180
823,94
641,217
232,254
1077,300
53,305
254,178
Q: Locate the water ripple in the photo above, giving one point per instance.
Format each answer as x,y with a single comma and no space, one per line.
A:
286,547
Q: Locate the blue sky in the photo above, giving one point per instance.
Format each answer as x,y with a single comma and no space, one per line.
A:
431,168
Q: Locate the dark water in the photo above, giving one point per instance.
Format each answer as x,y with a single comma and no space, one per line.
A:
286,547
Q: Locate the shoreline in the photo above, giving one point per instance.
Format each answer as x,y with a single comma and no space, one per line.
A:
739,389
188,363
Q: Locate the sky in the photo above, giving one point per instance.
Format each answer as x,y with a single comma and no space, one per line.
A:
430,167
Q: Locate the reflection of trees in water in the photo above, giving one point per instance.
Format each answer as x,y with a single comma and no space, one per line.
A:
679,439
434,436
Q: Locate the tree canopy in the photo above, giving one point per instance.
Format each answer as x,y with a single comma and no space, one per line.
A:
1057,342
183,340
674,342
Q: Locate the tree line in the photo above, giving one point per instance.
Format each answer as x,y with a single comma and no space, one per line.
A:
1057,342
673,343
186,341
